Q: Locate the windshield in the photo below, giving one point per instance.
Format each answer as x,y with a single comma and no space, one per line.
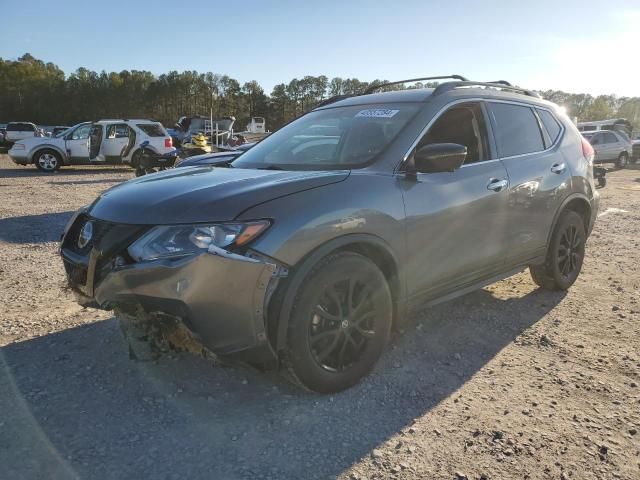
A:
333,138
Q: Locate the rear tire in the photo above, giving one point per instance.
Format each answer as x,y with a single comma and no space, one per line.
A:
135,159
47,160
565,254
340,323
623,160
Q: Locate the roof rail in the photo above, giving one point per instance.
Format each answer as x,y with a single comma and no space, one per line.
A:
500,84
373,88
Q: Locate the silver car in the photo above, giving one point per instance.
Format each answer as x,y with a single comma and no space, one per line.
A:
610,147
309,248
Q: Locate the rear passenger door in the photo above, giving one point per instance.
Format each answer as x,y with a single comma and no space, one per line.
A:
116,139
528,140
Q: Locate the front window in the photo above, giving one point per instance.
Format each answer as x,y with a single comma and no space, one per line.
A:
333,138
462,124
81,132
60,132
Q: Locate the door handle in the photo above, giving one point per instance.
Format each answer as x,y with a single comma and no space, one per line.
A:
497,184
558,168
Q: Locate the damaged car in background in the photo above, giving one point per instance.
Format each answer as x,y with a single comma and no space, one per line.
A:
304,252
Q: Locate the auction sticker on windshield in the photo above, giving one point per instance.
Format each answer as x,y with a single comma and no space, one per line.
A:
377,113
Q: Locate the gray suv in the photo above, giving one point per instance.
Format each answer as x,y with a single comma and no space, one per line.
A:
610,146
308,249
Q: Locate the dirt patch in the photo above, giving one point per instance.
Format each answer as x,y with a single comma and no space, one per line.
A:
507,382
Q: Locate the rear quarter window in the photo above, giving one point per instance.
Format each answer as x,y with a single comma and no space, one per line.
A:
517,129
550,123
152,129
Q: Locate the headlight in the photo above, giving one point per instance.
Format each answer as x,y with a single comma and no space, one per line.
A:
17,146
168,241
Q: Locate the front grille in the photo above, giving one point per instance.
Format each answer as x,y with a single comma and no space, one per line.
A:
71,239
108,241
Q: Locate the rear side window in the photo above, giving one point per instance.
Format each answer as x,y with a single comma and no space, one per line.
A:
152,129
610,138
517,129
550,123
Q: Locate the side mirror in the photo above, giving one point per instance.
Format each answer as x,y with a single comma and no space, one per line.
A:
439,157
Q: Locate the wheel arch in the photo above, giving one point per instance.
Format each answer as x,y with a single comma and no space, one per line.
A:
370,246
47,146
577,203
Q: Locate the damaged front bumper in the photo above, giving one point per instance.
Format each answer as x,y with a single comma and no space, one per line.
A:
219,296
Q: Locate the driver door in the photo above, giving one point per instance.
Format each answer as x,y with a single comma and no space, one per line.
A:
116,139
77,144
456,221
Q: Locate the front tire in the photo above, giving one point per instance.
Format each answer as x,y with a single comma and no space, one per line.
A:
565,254
47,160
623,160
340,323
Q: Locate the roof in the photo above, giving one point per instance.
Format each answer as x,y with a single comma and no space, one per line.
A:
126,120
396,96
422,94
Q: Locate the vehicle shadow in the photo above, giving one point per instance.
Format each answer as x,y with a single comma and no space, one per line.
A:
75,401
42,228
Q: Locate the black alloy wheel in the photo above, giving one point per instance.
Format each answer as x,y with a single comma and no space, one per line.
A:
565,254
340,323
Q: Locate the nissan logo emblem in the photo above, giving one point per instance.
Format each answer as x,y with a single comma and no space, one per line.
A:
85,235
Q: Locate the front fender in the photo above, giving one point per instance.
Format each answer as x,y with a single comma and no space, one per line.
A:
300,272
363,210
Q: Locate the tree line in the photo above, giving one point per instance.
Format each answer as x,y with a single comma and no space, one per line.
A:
32,90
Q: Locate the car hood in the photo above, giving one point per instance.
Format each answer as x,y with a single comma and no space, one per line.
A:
30,142
201,194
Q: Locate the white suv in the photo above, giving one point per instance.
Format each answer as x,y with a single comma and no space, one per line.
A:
106,141
20,130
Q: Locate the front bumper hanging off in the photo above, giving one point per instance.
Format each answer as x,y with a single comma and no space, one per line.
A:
219,296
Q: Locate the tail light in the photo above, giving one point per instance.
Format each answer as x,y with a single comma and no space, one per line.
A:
168,142
587,150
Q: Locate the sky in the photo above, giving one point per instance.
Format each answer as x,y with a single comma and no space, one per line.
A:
581,46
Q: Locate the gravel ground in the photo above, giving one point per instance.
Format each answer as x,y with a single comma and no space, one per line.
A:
507,382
